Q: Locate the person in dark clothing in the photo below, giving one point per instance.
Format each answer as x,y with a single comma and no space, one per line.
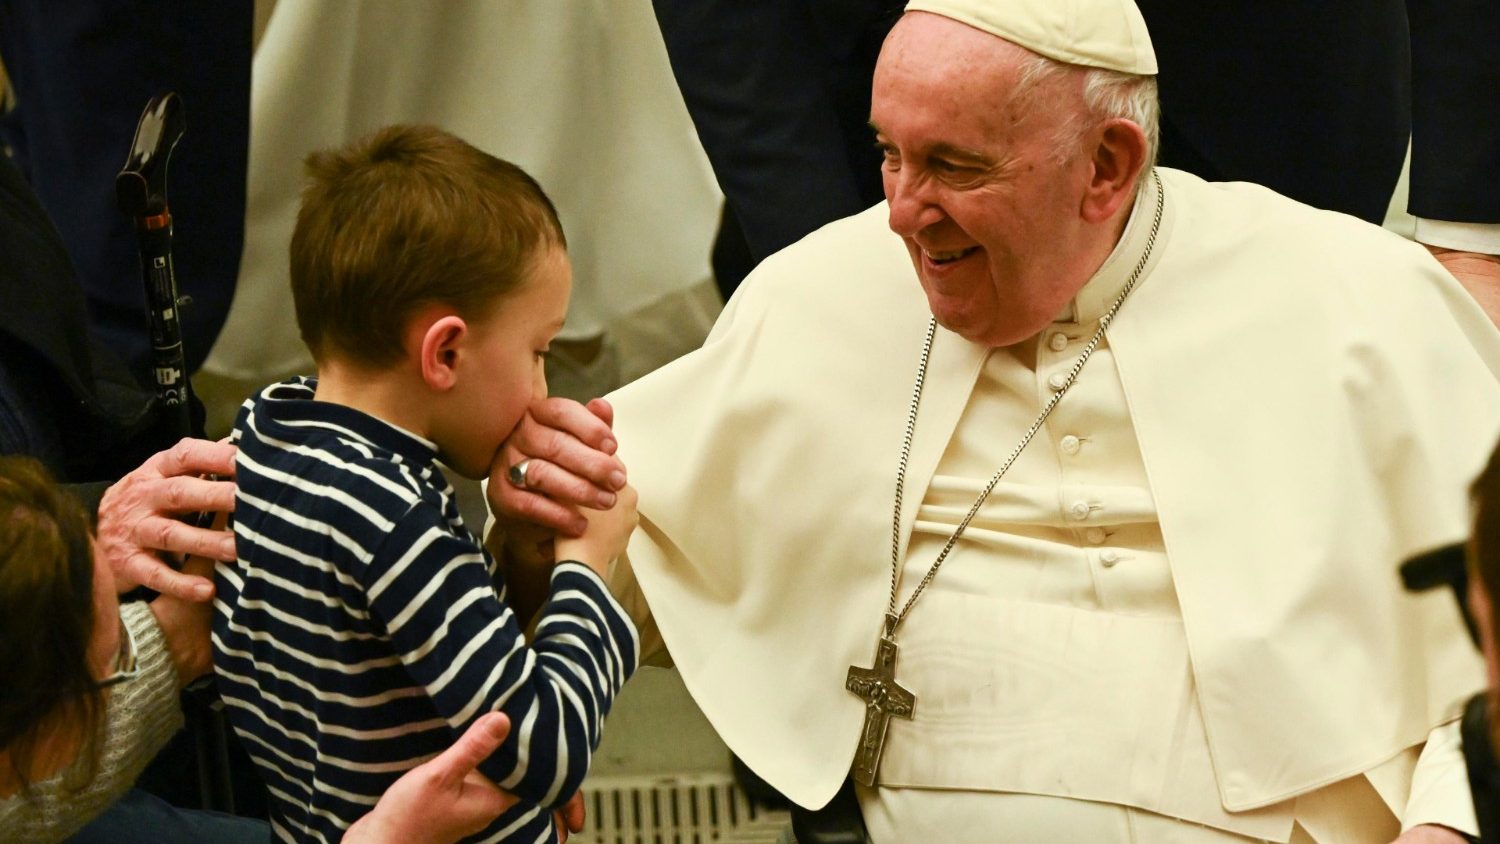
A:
1313,101
82,72
780,95
65,398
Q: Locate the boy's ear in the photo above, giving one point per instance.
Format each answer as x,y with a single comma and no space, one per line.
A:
438,346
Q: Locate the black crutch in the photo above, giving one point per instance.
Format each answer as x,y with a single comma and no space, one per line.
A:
141,191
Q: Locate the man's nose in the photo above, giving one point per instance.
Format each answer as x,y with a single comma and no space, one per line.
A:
911,201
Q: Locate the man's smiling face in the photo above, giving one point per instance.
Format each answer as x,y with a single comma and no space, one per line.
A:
987,203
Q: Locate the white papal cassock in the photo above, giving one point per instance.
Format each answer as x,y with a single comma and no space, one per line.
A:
1177,615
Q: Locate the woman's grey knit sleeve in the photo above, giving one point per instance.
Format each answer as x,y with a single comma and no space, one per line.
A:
141,715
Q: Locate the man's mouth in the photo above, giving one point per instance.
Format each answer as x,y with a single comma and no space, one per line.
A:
950,256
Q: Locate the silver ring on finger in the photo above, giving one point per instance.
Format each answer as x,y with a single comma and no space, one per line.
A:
517,473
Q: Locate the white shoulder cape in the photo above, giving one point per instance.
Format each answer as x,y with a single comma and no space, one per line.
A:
1312,396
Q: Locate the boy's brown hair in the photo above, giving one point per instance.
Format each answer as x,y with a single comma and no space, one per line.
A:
406,217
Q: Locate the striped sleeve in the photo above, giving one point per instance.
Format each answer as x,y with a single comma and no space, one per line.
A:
434,594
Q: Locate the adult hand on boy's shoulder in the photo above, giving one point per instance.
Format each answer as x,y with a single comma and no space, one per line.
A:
564,455
138,518
444,799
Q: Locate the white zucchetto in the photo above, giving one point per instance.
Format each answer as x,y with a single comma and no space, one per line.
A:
1097,33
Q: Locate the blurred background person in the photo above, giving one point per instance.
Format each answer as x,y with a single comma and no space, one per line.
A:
1312,100
80,73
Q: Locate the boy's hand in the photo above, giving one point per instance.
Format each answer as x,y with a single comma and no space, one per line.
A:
605,537
569,449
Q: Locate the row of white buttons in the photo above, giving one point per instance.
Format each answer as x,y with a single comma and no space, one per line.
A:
1071,444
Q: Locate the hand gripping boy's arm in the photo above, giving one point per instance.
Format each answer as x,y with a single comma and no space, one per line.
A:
434,593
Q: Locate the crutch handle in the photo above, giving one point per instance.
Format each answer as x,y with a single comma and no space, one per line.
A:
141,187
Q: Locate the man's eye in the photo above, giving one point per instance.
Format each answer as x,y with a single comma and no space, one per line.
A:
957,175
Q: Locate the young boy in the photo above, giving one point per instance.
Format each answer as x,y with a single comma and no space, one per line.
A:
365,627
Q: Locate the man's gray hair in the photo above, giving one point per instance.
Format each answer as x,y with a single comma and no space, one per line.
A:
1107,94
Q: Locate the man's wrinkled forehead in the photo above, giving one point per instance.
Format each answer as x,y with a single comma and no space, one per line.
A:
942,63
1108,34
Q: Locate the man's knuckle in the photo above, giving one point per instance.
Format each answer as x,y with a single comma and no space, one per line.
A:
198,542
179,454
530,507
548,410
524,428
579,489
123,565
175,494
162,534
156,577
547,442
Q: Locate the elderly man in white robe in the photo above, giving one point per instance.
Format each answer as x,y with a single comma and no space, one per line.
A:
1061,497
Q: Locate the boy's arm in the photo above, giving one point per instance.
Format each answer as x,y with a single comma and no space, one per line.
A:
434,594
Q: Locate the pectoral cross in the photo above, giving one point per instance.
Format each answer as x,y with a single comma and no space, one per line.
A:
877,687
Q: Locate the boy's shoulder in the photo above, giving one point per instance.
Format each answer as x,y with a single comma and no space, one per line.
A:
324,450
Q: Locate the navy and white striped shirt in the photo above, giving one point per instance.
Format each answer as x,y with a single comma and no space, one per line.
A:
362,631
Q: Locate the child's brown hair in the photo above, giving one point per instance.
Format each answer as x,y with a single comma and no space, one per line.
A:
404,218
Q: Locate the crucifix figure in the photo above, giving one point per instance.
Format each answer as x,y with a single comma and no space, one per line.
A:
883,698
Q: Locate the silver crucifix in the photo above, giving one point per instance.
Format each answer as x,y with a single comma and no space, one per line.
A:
883,698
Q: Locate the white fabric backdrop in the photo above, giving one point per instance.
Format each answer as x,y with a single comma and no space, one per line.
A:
577,92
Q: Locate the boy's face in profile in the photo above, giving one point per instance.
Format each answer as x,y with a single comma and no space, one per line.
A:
502,374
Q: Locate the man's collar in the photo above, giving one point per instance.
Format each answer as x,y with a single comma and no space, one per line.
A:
1090,303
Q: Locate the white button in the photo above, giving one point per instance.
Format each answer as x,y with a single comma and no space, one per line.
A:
1070,444
1079,510
1058,342
1108,557
1095,535
1058,380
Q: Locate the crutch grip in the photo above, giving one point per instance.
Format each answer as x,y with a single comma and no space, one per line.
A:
141,187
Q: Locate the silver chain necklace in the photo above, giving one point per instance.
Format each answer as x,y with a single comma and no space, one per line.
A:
877,686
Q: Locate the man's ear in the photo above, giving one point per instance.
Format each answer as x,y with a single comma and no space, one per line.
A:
438,346
1114,167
